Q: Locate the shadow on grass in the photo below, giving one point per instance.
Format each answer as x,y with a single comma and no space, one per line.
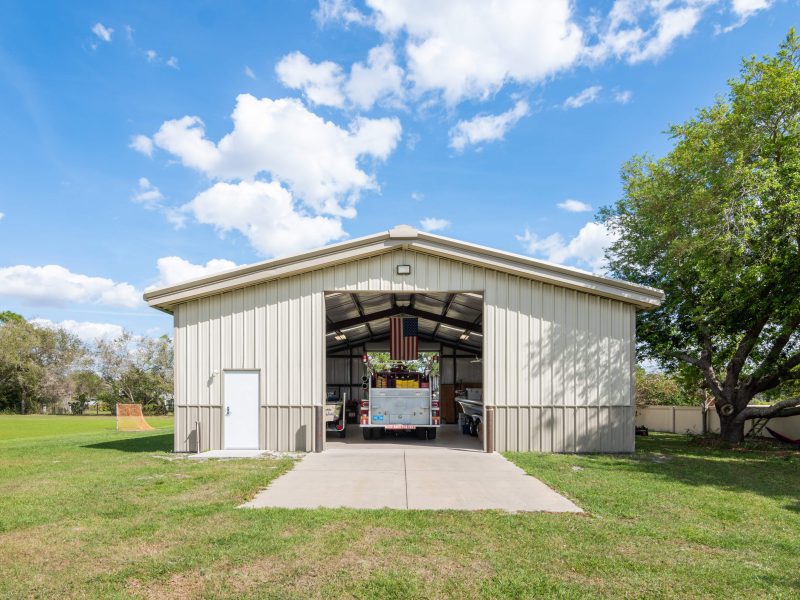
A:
772,474
146,443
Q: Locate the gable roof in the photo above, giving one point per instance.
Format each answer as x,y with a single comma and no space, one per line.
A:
405,237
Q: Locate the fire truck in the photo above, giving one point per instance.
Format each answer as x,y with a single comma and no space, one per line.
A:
398,400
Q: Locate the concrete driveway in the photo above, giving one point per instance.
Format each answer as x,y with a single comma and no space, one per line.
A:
415,477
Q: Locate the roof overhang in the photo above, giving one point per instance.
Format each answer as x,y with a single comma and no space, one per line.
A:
405,237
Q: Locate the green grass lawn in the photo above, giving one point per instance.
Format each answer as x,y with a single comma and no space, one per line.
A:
101,514
14,427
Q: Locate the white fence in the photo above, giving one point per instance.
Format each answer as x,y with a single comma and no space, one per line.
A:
689,419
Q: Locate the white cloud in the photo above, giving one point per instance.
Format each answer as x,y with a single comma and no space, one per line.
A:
326,84
586,249
623,96
486,128
471,48
174,269
249,73
584,97
379,79
56,286
343,11
174,216
2,216
465,49
418,196
147,194
743,10
266,214
747,8
172,62
637,30
321,83
316,159
433,224
103,32
143,144
151,55
575,206
87,331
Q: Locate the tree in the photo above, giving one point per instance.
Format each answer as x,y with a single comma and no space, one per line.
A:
137,370
716,225
36,363
87,386
8,316
665,389
60,354
20,374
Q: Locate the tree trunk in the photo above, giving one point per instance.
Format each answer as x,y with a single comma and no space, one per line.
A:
731,429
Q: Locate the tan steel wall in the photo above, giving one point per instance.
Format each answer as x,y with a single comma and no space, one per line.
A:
557,363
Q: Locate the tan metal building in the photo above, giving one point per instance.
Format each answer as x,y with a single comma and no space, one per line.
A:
552,347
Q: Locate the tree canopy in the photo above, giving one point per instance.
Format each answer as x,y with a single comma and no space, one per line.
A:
50,367
716,225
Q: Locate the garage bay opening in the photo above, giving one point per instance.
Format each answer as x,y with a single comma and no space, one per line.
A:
402,395
404,368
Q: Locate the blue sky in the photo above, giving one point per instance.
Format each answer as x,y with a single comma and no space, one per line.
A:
144,143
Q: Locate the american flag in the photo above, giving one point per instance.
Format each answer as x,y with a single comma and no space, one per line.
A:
403,333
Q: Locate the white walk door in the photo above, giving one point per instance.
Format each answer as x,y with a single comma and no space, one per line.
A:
240,410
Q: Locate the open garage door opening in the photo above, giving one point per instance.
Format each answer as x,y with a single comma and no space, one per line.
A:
404,368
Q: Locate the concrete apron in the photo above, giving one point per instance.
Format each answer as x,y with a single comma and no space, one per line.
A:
416,478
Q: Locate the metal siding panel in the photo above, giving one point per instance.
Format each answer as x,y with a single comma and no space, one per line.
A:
569,429
489,340
374,273
419,273
282,347
500,361
306,369
558,429
363,274
433,273
215,351
570,348
558,358
587,362
593,349
294,343
548,310
387,268
178,373
249,324
605,352
534,336
192,342
512,424
511,367
524,344
202,352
